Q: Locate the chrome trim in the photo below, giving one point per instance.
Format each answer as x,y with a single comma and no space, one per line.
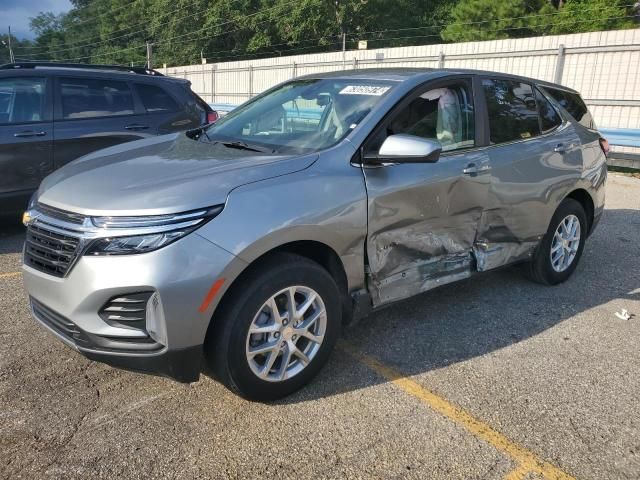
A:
142,221
87,231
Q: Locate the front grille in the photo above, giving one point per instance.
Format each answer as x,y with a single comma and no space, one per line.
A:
48,251
70,217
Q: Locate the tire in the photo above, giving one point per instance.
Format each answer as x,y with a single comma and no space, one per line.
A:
229,347
542,269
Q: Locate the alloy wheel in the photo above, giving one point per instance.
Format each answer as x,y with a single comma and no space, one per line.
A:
286,333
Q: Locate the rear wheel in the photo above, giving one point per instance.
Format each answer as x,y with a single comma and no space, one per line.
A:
277,329
560,250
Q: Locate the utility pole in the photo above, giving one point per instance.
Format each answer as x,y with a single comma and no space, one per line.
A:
11,57
149,56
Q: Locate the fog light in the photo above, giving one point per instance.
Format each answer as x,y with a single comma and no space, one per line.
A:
26,218
155,319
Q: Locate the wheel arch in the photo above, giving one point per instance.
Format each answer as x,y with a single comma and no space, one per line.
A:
583,197
314,250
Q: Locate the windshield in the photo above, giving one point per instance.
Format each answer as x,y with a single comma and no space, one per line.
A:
302,115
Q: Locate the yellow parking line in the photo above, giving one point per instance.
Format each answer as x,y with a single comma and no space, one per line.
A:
518,473
10,274
527,461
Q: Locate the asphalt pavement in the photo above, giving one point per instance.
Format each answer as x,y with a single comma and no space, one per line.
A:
491,378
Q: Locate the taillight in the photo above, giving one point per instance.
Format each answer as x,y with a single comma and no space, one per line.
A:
604,145
212,116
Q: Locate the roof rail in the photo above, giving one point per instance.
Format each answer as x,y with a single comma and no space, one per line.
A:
85,66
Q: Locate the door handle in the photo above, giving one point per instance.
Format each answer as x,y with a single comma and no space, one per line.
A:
136,126
560,148
29,133
473,169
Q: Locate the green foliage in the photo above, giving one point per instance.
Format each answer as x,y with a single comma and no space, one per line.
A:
587,16
15,44
116,31
491,19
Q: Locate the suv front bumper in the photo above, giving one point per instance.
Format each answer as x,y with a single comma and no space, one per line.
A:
181,274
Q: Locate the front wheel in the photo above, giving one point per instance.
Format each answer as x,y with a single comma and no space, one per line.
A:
560,250
277,329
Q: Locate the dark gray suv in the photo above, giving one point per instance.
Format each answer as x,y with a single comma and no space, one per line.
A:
51,114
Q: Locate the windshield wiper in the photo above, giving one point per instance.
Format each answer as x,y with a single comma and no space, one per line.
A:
244,146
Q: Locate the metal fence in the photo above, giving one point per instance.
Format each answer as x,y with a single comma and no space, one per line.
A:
603,66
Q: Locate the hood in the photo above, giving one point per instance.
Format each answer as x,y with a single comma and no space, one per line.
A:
160,175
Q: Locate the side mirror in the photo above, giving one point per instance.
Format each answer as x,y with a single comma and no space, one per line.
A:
402,148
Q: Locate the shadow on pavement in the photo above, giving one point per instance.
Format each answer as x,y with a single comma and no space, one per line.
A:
11,235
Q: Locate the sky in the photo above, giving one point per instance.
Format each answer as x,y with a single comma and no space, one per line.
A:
17,13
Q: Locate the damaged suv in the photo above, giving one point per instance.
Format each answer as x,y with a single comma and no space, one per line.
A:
249,243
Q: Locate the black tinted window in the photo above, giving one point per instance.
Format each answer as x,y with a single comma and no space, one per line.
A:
87,97
549,118
573,104
22,100
155,99
512,110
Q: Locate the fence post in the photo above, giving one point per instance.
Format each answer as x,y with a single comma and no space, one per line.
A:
441,60
250,81
213,83
295,70
557,78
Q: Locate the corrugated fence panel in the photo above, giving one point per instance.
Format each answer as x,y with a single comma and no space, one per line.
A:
603,66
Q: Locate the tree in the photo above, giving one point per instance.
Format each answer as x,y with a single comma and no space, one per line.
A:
491,19
575,16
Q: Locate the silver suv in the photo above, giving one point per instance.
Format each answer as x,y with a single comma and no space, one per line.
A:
249,243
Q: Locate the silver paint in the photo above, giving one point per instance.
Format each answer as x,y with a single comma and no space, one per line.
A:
397,229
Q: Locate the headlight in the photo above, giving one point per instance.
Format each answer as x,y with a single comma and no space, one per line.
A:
131,235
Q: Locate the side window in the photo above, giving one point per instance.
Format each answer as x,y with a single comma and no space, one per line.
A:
549,118
442,114
22,100
512,110
155,99
88,98
572,103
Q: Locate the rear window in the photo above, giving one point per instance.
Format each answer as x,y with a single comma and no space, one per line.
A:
513,114
549,118
89,98
572,103
155,99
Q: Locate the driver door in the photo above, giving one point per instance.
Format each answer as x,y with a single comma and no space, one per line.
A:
423,217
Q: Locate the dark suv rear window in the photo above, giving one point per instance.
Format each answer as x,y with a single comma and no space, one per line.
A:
513,114
155,99
573,104
89,97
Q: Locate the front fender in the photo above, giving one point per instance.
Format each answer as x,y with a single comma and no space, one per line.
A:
325,203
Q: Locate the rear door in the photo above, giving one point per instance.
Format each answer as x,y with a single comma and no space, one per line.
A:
93,113
423,217
535,156
26,137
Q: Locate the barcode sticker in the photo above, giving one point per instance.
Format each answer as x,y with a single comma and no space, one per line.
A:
364,90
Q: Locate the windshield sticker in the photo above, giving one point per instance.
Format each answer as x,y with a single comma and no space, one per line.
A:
364,90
